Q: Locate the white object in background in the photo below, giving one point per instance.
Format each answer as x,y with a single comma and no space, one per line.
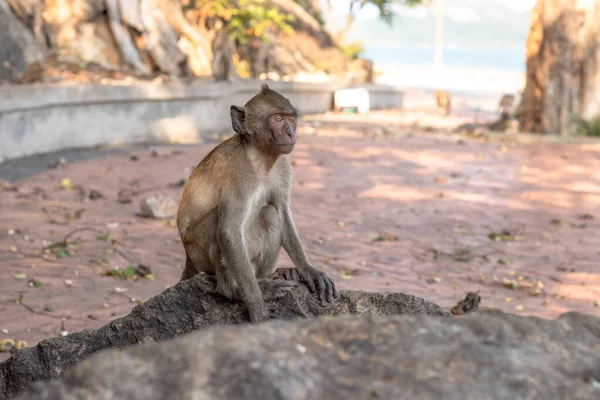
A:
352,98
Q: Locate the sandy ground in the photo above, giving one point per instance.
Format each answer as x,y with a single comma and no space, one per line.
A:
402,208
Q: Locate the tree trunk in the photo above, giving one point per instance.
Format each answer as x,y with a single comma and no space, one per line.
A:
563,54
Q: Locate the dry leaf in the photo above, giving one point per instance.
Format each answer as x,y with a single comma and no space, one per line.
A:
19,275
348,273
519,307
66,184
6,345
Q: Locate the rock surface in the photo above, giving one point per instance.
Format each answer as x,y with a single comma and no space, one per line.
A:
158,206
189,305
488,355
19,49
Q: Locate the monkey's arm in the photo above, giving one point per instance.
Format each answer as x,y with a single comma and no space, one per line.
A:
311,275
232,213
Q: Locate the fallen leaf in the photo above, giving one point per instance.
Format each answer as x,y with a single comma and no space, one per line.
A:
579,226
557,222
435,279
585,216
348,273
66,184
508,299
20,345
6,345
178,184
95,195
34,283
19,275
505,235
519,307
13,249
386,238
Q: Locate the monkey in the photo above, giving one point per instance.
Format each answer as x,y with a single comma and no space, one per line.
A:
234,214
506,104
259,57
443,100
223,49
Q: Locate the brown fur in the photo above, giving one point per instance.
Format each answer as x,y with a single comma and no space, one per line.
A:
443,100
234,215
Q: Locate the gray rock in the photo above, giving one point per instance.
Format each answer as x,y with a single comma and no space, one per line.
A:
158,206
487,355
189,305
18,47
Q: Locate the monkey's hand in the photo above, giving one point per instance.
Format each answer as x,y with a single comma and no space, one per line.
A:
319,281
274,289
288,274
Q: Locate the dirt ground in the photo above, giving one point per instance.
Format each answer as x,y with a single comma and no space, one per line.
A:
401,208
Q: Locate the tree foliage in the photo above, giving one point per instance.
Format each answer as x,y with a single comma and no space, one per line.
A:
246,18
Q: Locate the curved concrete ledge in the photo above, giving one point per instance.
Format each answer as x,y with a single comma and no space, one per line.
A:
38,119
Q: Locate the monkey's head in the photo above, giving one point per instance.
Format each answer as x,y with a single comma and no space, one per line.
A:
268,120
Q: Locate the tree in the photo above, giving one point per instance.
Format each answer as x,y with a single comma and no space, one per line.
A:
563,67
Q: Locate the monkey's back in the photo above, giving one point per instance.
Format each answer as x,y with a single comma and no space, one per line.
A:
201,192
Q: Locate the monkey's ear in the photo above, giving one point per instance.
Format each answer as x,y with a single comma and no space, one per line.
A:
238,115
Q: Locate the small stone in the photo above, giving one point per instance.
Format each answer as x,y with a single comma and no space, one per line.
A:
158,206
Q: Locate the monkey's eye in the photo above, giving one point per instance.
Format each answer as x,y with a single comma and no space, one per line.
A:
292,119
278,118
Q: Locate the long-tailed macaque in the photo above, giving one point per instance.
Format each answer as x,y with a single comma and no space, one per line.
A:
443,100
223,49
234,215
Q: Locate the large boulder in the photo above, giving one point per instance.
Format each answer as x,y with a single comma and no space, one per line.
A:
19,49
485,355
189,305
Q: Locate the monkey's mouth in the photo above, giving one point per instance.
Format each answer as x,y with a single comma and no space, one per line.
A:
284,144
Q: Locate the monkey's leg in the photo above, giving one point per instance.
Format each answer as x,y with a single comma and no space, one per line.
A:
266,234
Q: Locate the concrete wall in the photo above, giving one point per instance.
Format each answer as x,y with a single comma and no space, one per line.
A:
38,119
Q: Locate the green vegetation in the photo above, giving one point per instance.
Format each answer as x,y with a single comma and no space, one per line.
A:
353,50
589,127
245,18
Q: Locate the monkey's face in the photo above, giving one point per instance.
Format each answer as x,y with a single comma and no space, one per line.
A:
282,128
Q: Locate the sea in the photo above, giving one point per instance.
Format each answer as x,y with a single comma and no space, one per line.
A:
483,58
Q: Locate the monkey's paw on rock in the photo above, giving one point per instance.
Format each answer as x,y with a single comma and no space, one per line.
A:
489,355
189,305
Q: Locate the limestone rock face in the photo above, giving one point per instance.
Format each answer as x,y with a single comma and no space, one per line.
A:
19,48
485,355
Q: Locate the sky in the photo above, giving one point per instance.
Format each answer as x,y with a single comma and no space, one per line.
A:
456,7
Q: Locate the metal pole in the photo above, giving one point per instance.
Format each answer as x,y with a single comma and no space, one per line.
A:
438,9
